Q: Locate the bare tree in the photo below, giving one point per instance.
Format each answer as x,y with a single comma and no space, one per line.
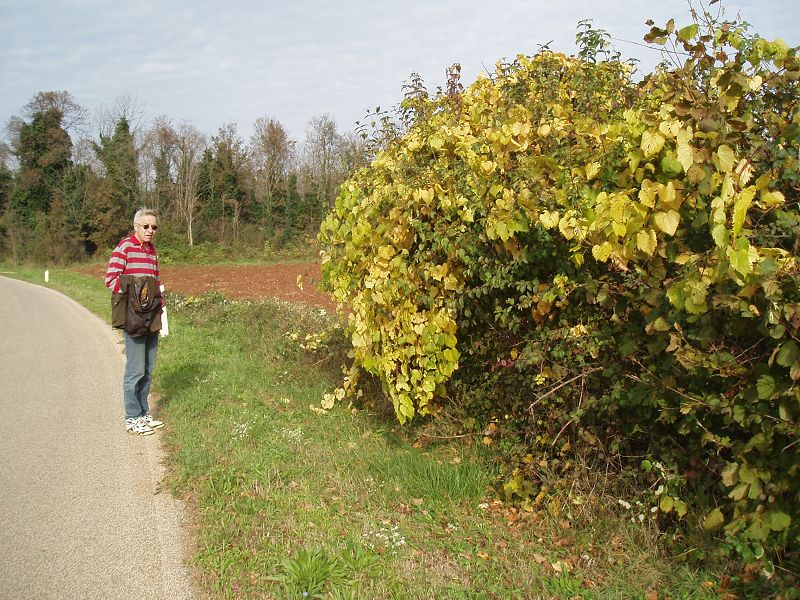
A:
271,151
123,107
351,152
189,146
159,164
73,115
322,140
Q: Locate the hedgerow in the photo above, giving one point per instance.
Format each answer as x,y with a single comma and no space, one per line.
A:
593,263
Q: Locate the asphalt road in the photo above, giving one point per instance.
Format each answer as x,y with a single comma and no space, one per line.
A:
81,511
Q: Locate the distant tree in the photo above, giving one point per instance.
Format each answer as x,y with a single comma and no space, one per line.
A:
73,115
43,149
123,107
159,156
119,156
229,173
189,147
351,152
6,184
322,141
271,151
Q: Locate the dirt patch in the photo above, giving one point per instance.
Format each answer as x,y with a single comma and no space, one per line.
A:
245,281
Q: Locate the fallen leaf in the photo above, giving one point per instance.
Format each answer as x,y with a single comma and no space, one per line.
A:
560,567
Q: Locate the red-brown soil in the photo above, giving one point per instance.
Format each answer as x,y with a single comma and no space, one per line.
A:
246,281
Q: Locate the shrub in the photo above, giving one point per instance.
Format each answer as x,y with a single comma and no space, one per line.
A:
603,264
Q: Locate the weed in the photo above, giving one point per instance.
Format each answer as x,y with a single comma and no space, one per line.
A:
311,573
564,585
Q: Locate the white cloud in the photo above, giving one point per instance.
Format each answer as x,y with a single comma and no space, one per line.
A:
211,63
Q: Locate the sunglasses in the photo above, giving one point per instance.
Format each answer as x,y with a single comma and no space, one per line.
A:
147,226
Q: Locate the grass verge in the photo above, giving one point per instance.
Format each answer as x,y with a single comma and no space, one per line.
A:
292,501
289,502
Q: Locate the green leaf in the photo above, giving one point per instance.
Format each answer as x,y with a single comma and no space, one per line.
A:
777,520
758,530
677,296
685,34
746,474
667,221
765,386
739,492
714,520
720,235
741,206
740,260
671,165
755,490
666,504
787,354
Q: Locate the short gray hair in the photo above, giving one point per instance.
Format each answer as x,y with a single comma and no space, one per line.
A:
144,212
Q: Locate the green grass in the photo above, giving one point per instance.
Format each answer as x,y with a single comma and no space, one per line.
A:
286,500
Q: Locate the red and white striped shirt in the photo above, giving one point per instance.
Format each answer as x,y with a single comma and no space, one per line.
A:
131,257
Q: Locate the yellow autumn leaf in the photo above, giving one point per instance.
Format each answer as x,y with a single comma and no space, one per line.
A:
670,128
667,196
549,219
328,400
684,151
386,252
646,241
647,194
451,283
438,272
724,159
652,143
592,169
667,221
601,252
772,199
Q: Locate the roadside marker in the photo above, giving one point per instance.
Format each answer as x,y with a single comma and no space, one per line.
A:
164,320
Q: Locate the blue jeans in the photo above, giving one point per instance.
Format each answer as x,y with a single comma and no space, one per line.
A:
140,353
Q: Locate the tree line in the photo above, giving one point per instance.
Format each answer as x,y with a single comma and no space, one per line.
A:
66,195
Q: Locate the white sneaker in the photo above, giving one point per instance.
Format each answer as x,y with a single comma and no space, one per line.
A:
137,427
151,422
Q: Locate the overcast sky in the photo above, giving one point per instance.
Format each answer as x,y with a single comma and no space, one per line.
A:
212,62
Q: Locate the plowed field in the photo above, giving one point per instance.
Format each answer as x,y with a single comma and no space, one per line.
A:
246,281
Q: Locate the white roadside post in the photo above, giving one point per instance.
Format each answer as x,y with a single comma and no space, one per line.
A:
47,276
164,320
